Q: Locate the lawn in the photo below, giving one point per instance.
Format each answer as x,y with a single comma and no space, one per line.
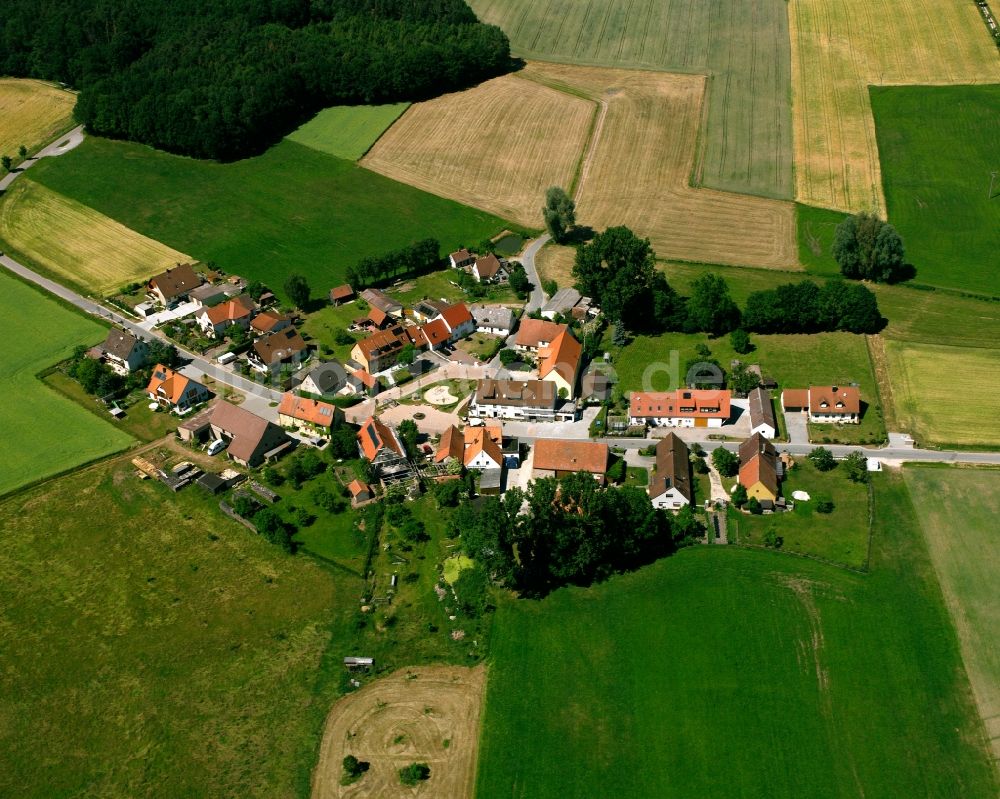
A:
942,395
958,509
292,209
746,141
77,245
839,49
347,131
32,113
165,651
44,433
694,676
938,147
841,536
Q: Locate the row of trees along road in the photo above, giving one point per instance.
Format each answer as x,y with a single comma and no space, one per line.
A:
224,79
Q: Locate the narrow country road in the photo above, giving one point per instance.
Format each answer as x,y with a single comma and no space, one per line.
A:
63,144
259,398
537,297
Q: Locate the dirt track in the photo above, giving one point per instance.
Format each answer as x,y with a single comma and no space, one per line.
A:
401,719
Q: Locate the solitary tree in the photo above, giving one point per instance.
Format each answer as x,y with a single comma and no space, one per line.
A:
822,459
726,462
22,152
297,289
559,213
856,466
408,435
5,162
868,248
407,354
518,281
739,340
414,773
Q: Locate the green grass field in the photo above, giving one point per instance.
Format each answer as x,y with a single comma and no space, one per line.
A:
744,45
166,651
942,394
958,509
937,147
291,209
728,672
347,131
841,536
44,433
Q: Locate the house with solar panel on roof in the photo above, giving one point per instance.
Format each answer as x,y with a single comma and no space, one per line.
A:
379,443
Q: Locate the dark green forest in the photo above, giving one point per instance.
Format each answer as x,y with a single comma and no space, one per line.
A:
224,79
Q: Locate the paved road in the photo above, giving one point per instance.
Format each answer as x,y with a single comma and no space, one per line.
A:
537,297
61,145
259,398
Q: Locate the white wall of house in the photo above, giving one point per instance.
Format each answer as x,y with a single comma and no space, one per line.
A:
671,499
834,418
764,429
483,461
672,421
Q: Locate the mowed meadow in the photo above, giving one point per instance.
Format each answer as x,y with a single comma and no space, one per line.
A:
292,209
44,433
742,45
76,244
730,672
347,131
32,114
165,651
958,509
938,148
839,49
497,146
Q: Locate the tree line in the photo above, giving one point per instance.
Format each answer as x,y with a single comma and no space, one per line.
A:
224,79
617,269
415,259
573,532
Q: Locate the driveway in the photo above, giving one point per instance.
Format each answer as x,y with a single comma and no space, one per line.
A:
797,426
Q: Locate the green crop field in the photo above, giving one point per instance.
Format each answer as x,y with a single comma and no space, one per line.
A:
44,433
728,672
743,45
937,146
291,209
958,509
347,131
942,394
166,651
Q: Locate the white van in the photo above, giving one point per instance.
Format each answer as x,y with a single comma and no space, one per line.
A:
216,447
226,357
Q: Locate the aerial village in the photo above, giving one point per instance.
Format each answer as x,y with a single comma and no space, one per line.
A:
415,405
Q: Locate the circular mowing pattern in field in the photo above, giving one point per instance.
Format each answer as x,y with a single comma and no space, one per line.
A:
426,715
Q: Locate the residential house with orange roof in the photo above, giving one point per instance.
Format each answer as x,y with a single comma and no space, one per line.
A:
217,319
558,458
362,382
824,404
360,492
484,447
380,350
381,446
759,468
309,415
459,320
173,390
686,407
435,334
559,363
451,445
533,334
270,322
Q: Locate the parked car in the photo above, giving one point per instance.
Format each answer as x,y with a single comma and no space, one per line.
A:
216,447
226,357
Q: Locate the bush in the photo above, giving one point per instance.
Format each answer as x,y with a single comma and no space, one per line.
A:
617,471
740,496
772,539
508,356
856,466
824,506
343,338
822,459
727,463
753,505
414,773
353,769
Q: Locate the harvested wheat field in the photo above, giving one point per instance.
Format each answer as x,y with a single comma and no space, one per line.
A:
77,243
32,113
421,715
637,168
497,146
839,48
